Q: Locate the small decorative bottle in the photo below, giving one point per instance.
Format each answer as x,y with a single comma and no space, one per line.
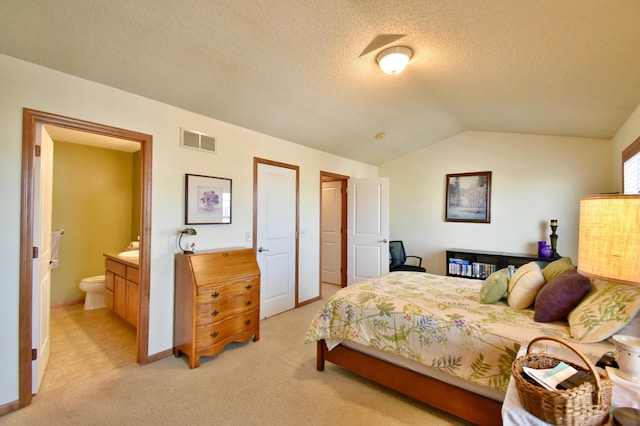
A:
547,251
541,246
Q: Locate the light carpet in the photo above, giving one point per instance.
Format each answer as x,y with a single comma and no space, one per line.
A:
270,382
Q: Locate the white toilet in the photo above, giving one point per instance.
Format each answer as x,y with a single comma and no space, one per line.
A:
94,287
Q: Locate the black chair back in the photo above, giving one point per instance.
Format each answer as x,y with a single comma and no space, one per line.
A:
397,253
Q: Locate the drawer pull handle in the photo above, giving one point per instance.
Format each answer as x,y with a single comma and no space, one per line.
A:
247,322
248,302
249,286
215,295
214,334
214,313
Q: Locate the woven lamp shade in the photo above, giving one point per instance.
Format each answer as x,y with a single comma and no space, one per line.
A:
609,238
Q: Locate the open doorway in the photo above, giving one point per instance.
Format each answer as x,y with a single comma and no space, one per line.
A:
333,230
31,120
95,209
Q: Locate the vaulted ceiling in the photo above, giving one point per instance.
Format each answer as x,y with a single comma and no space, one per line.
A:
293,69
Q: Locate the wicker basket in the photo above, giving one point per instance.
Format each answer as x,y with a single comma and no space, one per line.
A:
581,405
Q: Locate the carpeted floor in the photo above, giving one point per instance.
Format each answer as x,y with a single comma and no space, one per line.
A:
269,382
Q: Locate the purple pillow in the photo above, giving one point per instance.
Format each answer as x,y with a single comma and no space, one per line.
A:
560,295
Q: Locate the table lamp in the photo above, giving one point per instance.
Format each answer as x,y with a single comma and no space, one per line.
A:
188,231
609,249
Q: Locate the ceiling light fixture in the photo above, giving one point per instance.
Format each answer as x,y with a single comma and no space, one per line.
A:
394,59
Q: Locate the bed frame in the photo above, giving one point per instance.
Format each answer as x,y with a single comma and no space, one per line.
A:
459,402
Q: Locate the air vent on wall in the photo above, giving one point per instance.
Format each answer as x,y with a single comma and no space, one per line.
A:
197,140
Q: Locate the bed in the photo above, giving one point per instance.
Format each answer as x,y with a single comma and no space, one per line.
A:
429,337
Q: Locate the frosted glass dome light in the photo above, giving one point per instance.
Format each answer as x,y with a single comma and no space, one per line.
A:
394,59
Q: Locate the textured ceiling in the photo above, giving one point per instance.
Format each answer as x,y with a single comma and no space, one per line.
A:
292,69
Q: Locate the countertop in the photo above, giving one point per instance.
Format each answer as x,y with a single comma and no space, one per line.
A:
131,261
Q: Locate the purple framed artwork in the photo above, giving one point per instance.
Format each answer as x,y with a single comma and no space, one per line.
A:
207,200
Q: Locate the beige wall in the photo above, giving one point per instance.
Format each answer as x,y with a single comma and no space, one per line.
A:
534,179
24,85
92,202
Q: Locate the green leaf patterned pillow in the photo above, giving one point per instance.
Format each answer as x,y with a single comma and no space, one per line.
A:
494,287
606,309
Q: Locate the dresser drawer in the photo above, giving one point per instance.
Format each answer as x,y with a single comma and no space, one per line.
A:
209,313
223,331
217,293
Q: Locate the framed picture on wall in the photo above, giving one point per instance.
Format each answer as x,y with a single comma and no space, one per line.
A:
468,197
207,200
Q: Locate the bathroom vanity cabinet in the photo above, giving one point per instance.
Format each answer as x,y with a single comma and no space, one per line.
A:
217,301
121,287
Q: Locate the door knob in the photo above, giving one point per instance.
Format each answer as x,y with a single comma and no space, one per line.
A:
383,241
260,249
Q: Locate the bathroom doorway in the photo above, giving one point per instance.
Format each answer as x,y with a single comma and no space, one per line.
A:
96,214
28,250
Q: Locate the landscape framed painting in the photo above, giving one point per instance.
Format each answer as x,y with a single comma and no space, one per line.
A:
207,200
468,197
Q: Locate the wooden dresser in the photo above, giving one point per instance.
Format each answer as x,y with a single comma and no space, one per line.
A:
217,301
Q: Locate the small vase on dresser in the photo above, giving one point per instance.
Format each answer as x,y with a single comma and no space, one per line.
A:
217,301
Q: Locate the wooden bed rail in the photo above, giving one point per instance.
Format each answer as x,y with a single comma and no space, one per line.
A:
459,402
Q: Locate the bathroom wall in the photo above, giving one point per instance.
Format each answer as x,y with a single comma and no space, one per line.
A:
92,202
136,194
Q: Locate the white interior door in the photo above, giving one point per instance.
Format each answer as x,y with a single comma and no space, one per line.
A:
41,298
368,228
276,238
331,232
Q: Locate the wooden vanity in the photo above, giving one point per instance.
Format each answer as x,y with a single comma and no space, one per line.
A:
121,286
217,301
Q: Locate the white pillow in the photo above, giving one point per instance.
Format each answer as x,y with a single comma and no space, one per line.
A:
524,286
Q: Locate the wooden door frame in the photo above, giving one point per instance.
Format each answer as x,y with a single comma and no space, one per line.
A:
333,177
256,162
30,119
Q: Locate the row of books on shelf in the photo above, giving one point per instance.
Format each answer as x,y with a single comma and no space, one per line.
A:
467,268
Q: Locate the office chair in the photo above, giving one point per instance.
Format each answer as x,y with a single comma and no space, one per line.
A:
399,257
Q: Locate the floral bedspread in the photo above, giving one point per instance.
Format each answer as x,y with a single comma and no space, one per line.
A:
435,320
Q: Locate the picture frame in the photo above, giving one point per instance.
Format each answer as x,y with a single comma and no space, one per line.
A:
207,200
468,197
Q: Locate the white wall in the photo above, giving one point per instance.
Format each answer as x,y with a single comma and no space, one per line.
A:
627,134
534,179
24,85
